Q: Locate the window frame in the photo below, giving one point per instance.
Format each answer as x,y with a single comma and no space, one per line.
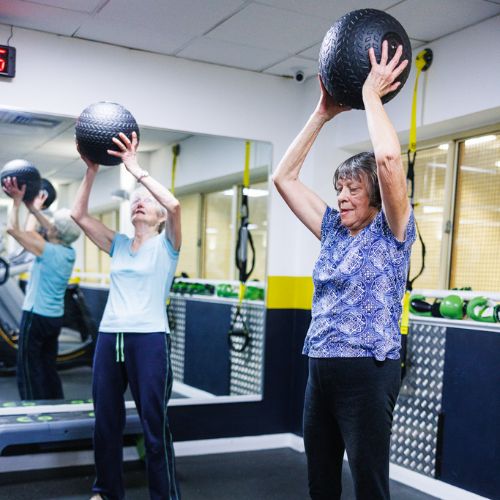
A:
450,189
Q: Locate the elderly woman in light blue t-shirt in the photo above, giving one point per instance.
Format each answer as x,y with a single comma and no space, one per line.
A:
133,345
353,341
43,306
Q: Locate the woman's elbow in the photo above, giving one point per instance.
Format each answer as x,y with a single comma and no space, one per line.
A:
174,207
277,179
77,216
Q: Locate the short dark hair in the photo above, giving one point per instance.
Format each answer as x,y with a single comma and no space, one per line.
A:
359,166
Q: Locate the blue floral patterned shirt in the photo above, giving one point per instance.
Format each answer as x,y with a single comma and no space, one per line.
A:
359,283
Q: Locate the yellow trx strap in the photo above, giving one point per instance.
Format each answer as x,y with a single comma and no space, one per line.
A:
246,172
423,61
405,316
246,185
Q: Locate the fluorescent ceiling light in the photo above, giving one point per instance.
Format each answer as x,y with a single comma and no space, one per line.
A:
443,147
432,210
478,170
255,193
250,192
480,140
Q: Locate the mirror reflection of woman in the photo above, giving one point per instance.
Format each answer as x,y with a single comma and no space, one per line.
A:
133,345
43,306
353,341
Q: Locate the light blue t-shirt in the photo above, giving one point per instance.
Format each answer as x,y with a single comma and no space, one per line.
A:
49,277
140,284
359,282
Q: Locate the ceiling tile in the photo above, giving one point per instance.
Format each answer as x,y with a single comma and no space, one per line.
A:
78,5
40,17
328,9
431,19
231,54
311,52
156,26
128,34
271,28
290,66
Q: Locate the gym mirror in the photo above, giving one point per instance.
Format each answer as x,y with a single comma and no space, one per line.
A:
217,341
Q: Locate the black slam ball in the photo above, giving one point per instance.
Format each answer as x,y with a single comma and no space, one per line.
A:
97,125
344,63
49,189
26,174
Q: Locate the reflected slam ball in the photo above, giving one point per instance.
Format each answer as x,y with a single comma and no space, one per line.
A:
47,186
25,173
344,63
97,125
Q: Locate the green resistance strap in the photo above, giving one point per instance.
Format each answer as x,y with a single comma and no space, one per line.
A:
483,310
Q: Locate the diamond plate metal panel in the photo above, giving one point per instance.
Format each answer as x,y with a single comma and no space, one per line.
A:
247,366
177,322
414,429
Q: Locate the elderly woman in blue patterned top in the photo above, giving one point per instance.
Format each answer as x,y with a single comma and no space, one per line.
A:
353,341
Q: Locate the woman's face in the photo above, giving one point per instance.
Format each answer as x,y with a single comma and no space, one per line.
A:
354,204
144,208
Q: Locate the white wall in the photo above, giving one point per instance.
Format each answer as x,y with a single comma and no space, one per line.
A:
461,92
205,158
164,92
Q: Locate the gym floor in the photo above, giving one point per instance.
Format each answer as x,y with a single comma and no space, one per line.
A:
257,475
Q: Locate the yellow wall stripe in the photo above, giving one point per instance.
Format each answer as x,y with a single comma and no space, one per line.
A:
289,292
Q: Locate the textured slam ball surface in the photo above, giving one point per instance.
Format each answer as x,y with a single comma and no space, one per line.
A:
96,127
344,63
47,186
25,173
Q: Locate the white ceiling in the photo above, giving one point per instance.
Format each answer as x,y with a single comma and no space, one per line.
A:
272,36
49,143
278,37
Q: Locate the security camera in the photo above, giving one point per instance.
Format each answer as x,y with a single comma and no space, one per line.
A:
299,76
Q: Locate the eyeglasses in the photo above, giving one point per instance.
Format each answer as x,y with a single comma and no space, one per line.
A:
147,200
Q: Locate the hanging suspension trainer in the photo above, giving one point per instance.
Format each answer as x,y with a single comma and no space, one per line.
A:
423,62
239,327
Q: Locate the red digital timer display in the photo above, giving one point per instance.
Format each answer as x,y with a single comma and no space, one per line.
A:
7,61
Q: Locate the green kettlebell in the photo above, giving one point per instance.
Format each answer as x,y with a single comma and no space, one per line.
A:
480,309
452,307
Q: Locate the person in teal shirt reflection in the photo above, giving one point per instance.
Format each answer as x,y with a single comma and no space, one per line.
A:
43,306
133,345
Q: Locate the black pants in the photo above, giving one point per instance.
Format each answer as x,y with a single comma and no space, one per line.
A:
143,361
37,376
348,406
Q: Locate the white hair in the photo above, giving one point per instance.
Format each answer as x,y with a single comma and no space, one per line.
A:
140,192
67,229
